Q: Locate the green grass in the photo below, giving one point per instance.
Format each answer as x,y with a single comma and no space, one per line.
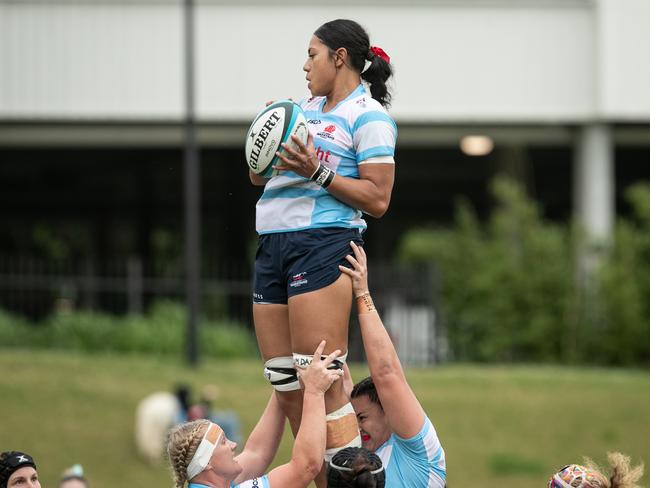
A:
499,425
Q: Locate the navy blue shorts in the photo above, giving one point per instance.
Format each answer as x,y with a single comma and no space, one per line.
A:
290,263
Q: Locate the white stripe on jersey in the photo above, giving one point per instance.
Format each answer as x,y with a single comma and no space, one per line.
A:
357,130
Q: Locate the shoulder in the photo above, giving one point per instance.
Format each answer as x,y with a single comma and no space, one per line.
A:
426,436
365,110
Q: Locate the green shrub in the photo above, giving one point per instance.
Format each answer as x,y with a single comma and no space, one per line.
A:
510,290
162,331
624,333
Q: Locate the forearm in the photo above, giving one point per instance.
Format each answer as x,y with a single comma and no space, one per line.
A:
263,442
380,352
362,194
309,446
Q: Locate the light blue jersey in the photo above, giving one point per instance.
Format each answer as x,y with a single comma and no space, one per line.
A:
261,482
418,462
357,131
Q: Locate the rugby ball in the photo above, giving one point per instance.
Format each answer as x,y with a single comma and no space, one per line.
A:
273,126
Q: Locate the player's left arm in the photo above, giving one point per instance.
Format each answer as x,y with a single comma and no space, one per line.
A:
263,442
403,411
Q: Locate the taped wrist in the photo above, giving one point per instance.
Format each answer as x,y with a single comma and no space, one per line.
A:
281,373
323,176
342,431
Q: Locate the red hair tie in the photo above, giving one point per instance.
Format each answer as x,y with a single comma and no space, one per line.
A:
377,51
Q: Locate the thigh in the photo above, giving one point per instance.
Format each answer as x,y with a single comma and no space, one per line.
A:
321,314
272,330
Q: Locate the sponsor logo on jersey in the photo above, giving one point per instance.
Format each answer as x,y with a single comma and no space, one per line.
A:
328,132
323,155
314,121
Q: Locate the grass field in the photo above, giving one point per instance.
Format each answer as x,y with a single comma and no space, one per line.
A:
499,425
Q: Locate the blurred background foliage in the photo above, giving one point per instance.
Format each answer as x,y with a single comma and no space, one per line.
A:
160,332
521,288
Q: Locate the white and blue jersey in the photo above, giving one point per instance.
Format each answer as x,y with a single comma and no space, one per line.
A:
357,131
418,462
261,482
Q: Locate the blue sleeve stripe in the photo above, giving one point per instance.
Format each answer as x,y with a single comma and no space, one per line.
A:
373,152
375,116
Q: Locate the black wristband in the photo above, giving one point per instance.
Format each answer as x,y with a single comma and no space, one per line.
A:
323,176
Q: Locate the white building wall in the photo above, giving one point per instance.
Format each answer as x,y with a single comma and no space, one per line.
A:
463,61
624,74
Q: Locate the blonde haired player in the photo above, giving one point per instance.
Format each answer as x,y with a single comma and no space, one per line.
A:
200,453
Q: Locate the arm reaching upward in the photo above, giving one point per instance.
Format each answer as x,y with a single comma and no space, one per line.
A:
262,444
309,447
402,408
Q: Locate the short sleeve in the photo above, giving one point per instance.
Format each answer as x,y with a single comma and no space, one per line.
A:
374,134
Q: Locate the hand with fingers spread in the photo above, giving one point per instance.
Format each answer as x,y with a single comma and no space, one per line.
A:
316,377
302,160
359,271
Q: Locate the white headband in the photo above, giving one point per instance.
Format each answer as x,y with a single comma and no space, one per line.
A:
343,468
202,456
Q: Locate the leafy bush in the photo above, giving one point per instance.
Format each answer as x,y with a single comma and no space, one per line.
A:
510,290
161,331
624,333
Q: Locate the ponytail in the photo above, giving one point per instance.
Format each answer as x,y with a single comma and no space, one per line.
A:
376,74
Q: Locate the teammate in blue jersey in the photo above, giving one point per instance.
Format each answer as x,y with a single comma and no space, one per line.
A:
200,453
392,421
312,209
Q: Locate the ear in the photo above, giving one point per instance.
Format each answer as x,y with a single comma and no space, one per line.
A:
340,57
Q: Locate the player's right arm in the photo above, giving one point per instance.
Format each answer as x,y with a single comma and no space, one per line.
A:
309,446
402,408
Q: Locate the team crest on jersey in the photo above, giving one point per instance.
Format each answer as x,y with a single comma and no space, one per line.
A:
328,132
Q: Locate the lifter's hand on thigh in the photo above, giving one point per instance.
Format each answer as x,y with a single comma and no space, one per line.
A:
359,271
316,377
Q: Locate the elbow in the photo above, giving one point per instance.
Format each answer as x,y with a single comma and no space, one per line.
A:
378,209
387,374
309,467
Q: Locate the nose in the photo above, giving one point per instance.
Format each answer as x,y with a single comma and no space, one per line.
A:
233,446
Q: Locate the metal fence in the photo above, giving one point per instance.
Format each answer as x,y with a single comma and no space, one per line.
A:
406,296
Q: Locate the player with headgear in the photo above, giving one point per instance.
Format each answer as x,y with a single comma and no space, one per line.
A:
313,208
620,475
393,423
18,470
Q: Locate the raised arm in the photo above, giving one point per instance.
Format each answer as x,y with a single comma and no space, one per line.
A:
402,408
262,444
309,446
